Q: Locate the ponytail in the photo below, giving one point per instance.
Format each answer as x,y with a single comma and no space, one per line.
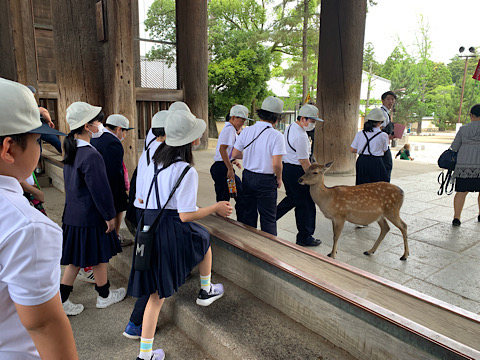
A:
70,146
370,125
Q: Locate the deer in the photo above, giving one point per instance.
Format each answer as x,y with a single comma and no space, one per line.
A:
360,204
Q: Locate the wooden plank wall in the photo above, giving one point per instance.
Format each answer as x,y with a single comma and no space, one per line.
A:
44,48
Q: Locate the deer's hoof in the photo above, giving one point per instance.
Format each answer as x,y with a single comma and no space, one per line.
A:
367,253
329,255
403,258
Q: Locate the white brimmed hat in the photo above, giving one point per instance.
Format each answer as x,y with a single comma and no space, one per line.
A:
239,111
159,119
119,120
19,111
182,127
272,104
376,114
309,111
79,113
179,105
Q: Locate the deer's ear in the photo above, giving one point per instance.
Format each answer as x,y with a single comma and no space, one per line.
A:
327,165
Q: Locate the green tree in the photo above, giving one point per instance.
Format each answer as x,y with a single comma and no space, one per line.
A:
160,24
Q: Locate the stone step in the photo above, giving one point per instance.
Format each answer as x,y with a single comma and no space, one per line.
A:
238,326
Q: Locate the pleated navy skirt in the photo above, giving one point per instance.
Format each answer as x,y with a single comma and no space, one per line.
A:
88,245
177,249
370,169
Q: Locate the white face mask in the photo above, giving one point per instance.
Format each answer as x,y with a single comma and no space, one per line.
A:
98,133
309,127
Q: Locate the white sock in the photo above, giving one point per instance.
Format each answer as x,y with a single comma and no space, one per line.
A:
145,349
205,282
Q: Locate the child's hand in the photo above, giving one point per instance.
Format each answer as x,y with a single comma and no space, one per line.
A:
224,209
110,225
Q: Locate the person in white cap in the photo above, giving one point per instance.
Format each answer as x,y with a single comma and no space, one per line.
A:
262,148
177,105
222,169
371,144
133,330
109,145
182,243
34,324
295,164
89,237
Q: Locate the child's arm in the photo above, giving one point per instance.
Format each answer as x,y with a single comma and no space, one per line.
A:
36,192
49,328
222,208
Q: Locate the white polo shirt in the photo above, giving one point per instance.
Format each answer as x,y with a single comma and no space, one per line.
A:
258,156
150,136
296,137
386,114
378,145
185,197
227,137
30,252
142,173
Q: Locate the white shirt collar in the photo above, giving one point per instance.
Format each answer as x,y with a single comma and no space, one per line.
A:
8,183
81,143
107,130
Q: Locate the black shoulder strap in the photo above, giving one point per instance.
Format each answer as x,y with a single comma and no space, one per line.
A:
288,141
147,149
154,224
368,141
250,143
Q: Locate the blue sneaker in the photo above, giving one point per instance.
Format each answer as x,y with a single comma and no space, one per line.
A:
132,331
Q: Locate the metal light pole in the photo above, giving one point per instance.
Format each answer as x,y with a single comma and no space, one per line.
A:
472,50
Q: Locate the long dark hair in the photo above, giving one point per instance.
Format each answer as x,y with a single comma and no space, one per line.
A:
69,144
370,125
166,155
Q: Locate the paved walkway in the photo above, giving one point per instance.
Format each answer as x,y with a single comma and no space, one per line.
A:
443,261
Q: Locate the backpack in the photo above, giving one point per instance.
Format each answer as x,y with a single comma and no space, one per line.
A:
446,161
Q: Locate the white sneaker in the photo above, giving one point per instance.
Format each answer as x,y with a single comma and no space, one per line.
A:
86,276
206,298
114,296
71,308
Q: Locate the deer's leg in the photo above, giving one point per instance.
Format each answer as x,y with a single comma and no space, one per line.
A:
337,230
384,229
399,223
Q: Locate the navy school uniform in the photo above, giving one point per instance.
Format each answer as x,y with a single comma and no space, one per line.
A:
111,149
370,148
298,196
259,143
178,246
88,204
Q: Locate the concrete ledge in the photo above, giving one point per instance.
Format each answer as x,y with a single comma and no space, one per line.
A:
368,316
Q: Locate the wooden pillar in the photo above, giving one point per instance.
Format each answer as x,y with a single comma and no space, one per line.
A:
78,55
119,70
342,30
192,57
17,45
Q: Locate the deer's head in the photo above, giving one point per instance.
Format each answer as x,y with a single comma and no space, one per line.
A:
314,174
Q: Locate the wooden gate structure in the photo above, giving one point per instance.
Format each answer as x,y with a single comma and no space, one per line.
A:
86,51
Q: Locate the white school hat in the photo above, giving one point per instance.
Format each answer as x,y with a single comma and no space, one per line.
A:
79,113
272,104
182,127
375,114
158,120
19,111
119,120
309,111
179,105
239,111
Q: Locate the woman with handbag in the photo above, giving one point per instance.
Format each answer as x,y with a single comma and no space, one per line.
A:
467,169
179,244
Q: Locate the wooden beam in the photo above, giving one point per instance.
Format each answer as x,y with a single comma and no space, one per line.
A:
192,57
342,29
145,94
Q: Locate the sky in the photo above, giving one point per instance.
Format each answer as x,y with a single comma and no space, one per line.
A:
452,24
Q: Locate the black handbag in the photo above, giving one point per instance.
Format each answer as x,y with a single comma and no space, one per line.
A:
145,238
446,161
